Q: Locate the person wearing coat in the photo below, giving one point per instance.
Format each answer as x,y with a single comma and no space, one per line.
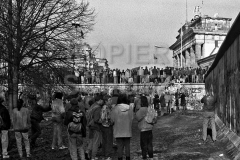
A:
57,117
36,117
21,125
5,119
146,135
209,101
122,116
75,138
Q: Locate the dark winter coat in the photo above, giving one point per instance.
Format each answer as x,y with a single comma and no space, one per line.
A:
5,117
69,118
37,112
209,103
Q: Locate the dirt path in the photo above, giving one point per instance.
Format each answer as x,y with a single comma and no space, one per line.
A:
179,136
176,137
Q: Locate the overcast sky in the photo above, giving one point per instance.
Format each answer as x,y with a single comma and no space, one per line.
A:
128,30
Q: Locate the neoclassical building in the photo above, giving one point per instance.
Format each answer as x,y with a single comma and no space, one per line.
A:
201,38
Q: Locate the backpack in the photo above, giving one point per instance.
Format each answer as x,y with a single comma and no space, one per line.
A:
76,125
105,116
151,116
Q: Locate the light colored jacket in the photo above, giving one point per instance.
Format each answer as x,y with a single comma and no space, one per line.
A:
142,124
21,119
57,107
122,117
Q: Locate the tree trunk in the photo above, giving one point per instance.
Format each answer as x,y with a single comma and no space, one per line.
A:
10,59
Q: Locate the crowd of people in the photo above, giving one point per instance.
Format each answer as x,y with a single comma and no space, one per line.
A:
97,118
143,75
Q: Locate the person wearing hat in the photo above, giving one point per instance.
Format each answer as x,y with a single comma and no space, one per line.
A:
5,126
77,116
36,118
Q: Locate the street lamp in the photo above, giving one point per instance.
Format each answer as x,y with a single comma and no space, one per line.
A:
76,25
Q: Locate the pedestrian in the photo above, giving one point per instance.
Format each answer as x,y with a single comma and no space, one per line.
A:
21,125
76,122
5,123
156,104
209,101
58,112
168,101
36,117
94,124
162,103
146,136
107,128
177,95
137,103
122,117
183,100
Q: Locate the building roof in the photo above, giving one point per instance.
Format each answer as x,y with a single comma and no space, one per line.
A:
206,59
233,33
192,29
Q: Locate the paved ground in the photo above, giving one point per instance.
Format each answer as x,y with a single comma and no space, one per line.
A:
176,137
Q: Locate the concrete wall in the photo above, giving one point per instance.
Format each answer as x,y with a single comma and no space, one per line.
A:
224,78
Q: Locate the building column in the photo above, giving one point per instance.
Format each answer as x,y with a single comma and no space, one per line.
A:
175,61
184,59
197,52
187,56
177,58
192,57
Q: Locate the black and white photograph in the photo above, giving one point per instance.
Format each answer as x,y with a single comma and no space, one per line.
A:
120,79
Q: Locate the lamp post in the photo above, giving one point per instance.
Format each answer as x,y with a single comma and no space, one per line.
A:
76,25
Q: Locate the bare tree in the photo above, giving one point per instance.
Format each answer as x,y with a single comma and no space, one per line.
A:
38,34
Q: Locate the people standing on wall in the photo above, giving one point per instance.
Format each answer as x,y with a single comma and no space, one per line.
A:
111,79
118,75
141,74
93,76
146,74
161,75
122,74
114,76
209,101
101,76
104,76
193,75
127,75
